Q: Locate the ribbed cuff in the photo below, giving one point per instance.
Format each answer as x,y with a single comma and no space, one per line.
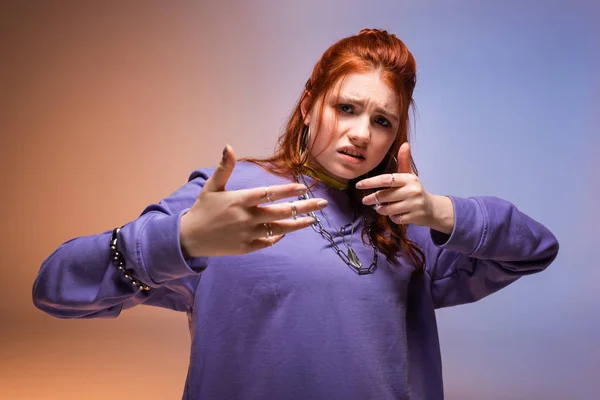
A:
161,253
469,227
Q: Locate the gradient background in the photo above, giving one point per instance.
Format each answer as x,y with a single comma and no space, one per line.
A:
108,106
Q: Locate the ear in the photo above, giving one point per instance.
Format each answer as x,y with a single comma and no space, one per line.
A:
304,107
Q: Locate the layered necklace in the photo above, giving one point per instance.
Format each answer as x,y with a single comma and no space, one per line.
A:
349,257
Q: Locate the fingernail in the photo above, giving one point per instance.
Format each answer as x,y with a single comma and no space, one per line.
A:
359,185
225,153
301,190
322,203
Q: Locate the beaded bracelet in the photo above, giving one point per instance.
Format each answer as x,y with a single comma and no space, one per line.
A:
119,262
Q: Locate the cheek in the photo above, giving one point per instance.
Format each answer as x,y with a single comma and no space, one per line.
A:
382,146
325,136
321,141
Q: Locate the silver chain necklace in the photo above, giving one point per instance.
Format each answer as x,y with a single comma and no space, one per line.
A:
350,258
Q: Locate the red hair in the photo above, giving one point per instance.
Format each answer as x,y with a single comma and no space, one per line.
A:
370,50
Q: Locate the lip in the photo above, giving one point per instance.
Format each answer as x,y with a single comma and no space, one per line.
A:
353,149
350,159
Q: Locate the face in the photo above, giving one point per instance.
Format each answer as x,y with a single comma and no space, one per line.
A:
367,121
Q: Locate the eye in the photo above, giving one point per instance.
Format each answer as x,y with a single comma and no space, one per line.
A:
346,108
383,122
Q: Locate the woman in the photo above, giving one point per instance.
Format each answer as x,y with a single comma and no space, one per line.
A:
344,310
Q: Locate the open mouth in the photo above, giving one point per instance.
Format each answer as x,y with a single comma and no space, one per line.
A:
351,154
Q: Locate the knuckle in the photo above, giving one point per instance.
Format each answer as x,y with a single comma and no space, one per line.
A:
245,218
245,237
233,202
303,223
413,191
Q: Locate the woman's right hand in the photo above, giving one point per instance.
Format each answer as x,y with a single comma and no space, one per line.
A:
235,222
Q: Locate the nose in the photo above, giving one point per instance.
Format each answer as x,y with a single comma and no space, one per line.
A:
360,134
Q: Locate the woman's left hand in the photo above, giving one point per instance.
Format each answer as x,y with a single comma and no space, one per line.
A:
405,200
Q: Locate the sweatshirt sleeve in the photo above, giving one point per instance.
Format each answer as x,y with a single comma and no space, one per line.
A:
79,279
492,245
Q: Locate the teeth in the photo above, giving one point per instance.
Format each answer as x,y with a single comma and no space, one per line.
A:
352,154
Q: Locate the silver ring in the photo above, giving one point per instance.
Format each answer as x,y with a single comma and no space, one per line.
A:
294,210
377,203
393,180
267,194
269,230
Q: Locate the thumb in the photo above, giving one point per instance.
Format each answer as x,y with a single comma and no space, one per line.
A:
404,166
219,178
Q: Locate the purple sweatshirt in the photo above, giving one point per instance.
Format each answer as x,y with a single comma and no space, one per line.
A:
293,321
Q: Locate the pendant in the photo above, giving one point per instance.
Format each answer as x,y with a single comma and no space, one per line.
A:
353,258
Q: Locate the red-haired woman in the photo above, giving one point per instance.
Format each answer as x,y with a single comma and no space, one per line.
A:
341,310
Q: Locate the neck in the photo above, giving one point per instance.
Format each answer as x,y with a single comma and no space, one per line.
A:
322,177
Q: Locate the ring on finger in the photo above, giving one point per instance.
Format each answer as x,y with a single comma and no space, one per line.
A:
377,202
393,180
267,194
294,210
399,216
269,229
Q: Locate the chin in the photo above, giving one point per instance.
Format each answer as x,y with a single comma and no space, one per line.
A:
346,174
341,171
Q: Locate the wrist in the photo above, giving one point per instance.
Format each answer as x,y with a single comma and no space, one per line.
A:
442,214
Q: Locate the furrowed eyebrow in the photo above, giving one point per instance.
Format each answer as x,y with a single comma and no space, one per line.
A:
379,109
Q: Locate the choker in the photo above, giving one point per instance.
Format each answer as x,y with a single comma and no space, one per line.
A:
326,179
